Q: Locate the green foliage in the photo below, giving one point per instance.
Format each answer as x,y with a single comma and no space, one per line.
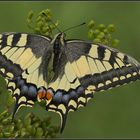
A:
102,34
30,127
43,23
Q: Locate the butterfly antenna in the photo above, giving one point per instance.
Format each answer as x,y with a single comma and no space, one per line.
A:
51,22
74,27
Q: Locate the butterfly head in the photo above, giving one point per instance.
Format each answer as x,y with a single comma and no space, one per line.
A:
59,38
44,94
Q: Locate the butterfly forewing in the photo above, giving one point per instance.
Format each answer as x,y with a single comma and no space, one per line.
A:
106,67
89,68
20,59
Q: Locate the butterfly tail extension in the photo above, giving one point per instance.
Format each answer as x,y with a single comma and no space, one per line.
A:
62,114
64,102
16,106
63,121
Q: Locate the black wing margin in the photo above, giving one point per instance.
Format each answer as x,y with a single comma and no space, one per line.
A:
20,57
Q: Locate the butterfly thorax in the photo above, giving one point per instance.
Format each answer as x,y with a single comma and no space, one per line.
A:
50,65
58,40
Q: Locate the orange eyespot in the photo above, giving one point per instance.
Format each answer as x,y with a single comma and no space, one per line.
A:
41,94
48,95
44,95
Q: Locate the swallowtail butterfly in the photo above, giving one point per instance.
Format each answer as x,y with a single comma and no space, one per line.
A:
79,69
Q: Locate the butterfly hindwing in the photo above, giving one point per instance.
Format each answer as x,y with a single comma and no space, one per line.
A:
20,59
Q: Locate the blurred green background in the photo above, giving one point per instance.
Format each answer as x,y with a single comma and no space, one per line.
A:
111,114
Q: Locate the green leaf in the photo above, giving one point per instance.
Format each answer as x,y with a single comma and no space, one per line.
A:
91,24
101,27
39,132
111,28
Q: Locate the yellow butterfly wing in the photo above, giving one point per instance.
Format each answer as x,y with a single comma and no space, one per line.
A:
20,59
85,68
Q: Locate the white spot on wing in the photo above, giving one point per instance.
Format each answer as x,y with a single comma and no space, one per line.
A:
63,108
122,77
82,99
100,85
22,99
30,101
134,73
17,91
108,82
73,103
12,84
9,74
2,70
115,79
128,75
80,105
91,88
52,106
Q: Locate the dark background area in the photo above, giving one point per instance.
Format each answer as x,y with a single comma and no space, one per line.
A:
111,114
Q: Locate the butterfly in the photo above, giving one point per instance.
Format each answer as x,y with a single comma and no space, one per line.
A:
63,73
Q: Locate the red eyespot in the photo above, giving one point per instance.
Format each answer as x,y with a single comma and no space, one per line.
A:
41,94
48,95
